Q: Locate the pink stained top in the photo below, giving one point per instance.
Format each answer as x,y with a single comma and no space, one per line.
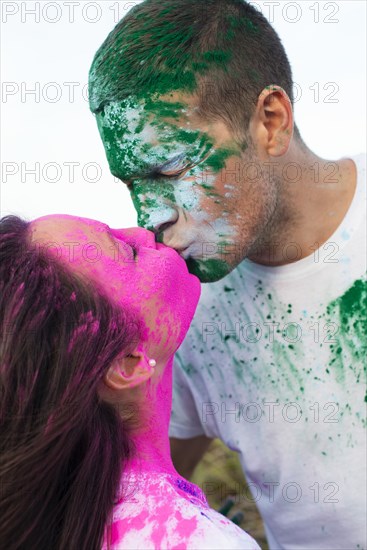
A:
163,511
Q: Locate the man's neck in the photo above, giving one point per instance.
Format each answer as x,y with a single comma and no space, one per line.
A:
310,208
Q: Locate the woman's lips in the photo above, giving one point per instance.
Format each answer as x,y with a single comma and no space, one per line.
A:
179,254
136,237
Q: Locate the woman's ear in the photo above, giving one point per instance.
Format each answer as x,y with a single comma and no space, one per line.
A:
274,120
128,372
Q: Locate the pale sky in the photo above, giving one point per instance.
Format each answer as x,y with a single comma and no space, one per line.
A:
48,47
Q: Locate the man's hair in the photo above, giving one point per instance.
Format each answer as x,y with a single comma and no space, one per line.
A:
225,51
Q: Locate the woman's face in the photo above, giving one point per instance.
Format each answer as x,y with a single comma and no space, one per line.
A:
133,270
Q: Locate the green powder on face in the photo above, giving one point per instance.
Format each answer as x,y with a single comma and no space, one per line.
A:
149,205
164,109
137,139
208,270
142,61
186,136
217,161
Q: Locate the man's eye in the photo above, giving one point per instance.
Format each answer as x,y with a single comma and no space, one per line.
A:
170,173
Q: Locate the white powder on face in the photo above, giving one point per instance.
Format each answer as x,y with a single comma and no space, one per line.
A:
137,142
187,193
158,211
223,227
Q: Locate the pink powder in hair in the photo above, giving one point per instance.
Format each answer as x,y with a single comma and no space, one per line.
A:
88,324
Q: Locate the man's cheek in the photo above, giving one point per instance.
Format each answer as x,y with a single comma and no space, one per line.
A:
150,212
114,157
140,211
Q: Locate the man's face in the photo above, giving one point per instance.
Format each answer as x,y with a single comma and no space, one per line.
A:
191,183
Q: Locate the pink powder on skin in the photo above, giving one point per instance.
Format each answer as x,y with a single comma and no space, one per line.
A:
158,517
157,285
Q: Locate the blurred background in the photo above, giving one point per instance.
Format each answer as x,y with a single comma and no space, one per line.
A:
52,159
220,475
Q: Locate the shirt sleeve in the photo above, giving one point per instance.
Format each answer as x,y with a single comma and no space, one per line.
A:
185,418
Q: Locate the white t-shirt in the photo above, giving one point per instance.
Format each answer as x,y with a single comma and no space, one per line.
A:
161,511
274,365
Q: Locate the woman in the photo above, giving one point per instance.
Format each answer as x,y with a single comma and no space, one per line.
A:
90,319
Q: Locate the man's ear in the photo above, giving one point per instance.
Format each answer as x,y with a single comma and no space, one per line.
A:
128,372
274,115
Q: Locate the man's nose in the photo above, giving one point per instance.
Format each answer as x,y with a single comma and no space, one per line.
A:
159,219
160,228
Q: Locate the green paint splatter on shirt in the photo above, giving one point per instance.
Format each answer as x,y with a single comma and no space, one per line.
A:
349,349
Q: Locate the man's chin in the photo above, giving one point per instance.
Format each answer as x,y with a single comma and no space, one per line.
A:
210,270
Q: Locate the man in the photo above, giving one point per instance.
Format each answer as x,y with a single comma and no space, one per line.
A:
194,105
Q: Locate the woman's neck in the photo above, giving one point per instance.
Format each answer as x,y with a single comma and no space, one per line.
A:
151,439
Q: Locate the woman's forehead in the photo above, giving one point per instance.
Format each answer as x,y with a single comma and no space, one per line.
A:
61,223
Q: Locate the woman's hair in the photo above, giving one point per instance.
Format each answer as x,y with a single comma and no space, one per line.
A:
62,448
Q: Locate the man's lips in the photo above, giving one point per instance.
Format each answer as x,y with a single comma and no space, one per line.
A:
185,252
162,246
181,250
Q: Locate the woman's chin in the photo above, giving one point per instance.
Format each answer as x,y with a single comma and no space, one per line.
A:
191,302
195,291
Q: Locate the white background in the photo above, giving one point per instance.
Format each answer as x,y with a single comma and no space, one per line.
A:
55,45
